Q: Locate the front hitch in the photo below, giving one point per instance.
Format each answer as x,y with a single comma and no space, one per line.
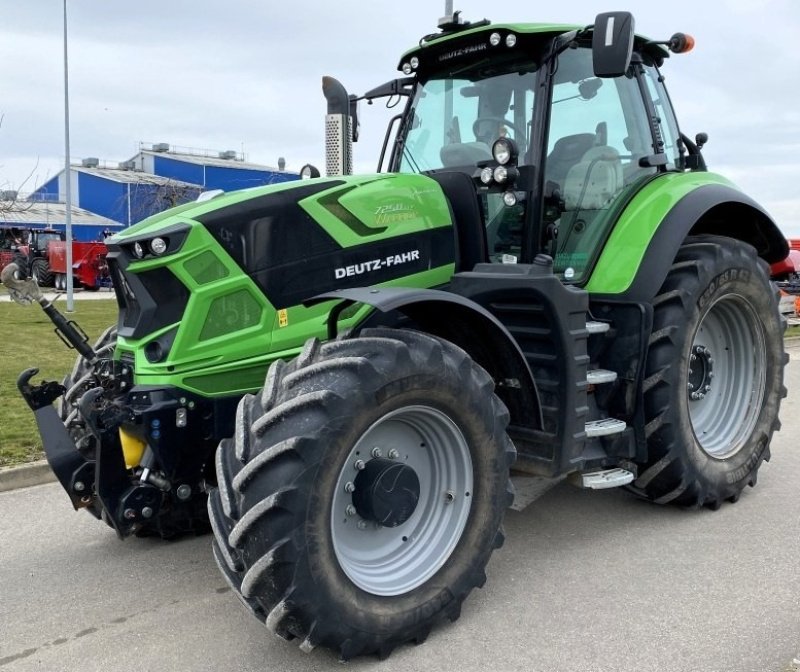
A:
102,481
72,469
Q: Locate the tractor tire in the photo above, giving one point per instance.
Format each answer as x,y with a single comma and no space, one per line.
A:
364,491
80,380
713,375
40,271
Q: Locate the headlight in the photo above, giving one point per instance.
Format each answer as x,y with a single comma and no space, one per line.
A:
138,250
510,198
494,39
486,175
414,62
504,151
407,69
500,174
158,246
511,40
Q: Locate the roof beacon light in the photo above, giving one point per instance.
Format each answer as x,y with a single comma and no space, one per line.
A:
680,43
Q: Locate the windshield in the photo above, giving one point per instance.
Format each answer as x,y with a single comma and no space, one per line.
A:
456,119
45,238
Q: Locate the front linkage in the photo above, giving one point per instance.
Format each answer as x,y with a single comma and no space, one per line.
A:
85,449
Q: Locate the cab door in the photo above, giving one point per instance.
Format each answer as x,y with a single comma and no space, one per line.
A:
598,134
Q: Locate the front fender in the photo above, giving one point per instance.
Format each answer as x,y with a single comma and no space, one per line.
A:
462,322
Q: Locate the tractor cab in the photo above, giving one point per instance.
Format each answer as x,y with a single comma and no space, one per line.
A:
554,127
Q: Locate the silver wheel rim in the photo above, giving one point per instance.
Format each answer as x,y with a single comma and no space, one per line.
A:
393,561
727,376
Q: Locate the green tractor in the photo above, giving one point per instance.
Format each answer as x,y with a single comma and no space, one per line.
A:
340,374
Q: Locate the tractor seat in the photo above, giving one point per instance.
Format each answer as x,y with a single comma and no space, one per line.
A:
593,183
567,152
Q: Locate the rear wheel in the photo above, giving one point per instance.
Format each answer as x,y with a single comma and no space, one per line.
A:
364,491
714,375
40,271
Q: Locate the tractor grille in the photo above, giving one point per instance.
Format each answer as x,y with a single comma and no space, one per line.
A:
147,301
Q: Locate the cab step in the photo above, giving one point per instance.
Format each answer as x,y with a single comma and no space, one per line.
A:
600,376
602,479
604,427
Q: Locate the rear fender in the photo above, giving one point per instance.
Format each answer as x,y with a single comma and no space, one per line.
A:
632,267
463,323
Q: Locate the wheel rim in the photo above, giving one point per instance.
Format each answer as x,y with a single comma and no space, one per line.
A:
727,376
395,560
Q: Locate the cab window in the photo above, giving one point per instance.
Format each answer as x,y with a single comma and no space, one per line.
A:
598,131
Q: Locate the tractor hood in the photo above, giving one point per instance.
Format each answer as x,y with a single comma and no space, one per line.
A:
235,270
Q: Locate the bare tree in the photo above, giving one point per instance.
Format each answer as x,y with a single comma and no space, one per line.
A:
148,197
10,200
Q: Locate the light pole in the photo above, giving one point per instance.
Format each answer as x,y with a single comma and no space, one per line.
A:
67,171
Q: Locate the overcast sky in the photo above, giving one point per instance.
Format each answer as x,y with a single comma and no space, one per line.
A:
246,75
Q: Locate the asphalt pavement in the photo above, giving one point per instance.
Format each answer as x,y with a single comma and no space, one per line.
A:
587,581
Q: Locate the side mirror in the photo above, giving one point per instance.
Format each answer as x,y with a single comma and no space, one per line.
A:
612,43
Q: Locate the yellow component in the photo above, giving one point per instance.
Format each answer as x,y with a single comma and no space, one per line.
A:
132,448
283,317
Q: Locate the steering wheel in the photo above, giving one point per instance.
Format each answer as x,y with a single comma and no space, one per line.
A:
499,121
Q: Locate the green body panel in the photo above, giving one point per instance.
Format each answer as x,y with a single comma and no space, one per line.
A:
624,251
219,350
379,207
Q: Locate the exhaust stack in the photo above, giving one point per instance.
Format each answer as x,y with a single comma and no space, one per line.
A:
338,129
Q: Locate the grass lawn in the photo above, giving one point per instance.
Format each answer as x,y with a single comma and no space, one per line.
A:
28,341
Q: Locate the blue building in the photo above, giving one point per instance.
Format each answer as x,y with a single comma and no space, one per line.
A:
212,170
157,178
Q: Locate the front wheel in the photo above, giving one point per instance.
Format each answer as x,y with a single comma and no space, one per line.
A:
714,375
364,491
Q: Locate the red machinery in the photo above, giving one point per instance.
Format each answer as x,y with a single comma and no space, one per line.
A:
42,254
789,268
89,267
